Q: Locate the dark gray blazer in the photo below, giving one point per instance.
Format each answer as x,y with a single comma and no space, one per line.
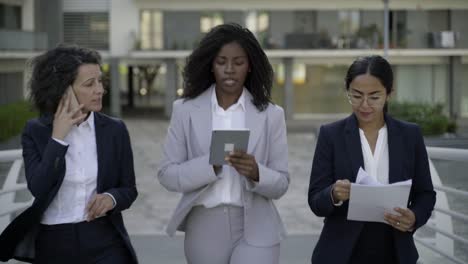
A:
44,161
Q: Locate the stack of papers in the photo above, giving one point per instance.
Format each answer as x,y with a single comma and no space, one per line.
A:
370,199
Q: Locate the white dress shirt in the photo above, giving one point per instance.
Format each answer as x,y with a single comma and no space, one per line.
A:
227,190
80,181
376,164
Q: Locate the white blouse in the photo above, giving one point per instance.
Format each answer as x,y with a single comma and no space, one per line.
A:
227,190
376,164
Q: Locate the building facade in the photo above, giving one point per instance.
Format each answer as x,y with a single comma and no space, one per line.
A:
309,42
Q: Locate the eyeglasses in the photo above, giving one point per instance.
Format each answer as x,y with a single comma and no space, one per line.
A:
372,100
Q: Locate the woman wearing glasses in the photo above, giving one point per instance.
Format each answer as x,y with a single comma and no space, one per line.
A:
390,151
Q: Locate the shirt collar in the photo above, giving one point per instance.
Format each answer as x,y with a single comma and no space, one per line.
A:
214,100
89,121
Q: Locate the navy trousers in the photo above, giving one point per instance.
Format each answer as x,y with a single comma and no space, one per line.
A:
81,243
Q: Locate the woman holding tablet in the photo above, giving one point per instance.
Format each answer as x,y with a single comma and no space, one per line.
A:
226,211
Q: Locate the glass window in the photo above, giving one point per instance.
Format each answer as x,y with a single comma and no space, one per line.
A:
464,93
151,30
322,90
87,29
10,16
421,83
259,23
348,22
277,91
210,20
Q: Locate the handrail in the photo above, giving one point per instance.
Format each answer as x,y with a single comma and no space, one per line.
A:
438,251
18,187
11,186
443,216
450,154
15,208
451,190
447,234
10,155
459,216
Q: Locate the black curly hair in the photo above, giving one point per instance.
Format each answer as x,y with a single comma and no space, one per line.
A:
53,71
197,72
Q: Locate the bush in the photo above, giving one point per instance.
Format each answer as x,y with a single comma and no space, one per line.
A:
429,117
13,117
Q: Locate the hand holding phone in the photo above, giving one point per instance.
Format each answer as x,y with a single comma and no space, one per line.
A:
68,113
74,104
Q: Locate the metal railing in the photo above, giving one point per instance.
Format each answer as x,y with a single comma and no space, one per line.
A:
10,187
441,223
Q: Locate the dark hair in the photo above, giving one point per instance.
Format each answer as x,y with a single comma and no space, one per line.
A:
374,65
53,71
198,75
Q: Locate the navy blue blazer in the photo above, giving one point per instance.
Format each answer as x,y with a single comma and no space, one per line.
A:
338,155
44,161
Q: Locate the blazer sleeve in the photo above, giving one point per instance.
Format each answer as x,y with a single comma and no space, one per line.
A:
176,173
126,193
43,168
322,176
423,196
274,176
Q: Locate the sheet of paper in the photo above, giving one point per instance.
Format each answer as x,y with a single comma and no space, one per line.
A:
369,199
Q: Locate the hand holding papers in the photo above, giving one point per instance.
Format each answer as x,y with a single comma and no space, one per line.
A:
369,199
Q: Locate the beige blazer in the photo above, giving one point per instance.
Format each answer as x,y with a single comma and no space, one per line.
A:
185,167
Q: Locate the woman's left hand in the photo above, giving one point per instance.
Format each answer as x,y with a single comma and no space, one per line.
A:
245,164
99,205
403,222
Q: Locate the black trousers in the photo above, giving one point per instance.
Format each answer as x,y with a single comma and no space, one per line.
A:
375,245
81,243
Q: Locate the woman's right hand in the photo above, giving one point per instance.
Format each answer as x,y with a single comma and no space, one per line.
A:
65,117
341,190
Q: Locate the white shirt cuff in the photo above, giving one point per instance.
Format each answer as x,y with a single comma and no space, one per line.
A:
113,199
60,141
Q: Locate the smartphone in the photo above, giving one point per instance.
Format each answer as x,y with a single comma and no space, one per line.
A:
74,104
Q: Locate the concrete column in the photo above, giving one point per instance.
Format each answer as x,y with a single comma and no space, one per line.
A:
171,85
27,15
386,27
115,87
288,88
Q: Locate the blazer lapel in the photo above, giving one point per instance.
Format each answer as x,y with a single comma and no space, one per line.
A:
353,146
395,151
254,121
201,120
101,142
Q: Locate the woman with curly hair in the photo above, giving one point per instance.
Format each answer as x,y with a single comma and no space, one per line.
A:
227,212
78,165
